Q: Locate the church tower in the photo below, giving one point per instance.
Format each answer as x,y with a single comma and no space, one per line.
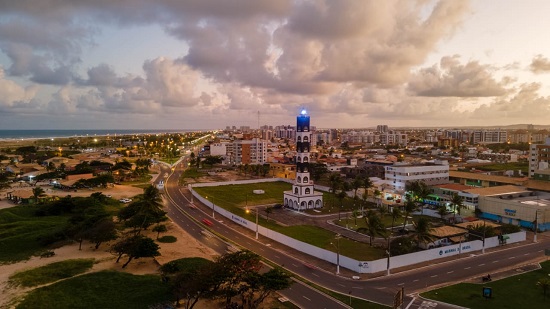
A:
303,196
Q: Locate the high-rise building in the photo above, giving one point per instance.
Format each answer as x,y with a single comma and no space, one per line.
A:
303,196
539,157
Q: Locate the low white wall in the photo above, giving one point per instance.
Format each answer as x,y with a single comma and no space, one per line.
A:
346,262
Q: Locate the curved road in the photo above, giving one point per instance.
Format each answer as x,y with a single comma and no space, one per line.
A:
380,290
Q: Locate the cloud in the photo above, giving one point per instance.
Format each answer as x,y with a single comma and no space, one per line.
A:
13,95
540,64
453,79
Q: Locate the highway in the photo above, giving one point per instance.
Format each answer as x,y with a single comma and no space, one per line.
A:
380,290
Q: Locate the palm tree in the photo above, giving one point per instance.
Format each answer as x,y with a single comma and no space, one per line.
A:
441,211
356,184
340,195
375,227
417,191
457,202
335,182
422,231
37,193
395,213
410,206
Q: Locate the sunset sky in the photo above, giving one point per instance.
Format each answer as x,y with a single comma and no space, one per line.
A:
205,64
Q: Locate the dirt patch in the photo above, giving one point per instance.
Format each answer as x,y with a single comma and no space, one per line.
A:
185,246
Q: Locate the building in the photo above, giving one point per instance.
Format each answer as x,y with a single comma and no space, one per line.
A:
303,195
539,157
518,207
489,136
432,174
382,128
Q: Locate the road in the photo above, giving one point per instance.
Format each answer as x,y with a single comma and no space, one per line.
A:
380,290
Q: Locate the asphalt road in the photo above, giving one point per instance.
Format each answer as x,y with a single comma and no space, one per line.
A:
380,290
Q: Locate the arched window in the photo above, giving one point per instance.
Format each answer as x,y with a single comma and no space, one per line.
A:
305,139
306,159
306,128
306,180
299,139
298,179
307,190
295,190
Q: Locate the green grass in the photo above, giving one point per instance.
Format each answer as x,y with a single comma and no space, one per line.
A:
519,291
234,198
515,166
20,232
192,172
104,289
51,272
167,239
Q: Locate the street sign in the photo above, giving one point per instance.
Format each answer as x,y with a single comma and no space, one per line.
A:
398,300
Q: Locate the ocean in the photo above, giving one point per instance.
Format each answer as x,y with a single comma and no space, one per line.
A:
44,134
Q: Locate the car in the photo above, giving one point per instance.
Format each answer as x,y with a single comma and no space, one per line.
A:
125,200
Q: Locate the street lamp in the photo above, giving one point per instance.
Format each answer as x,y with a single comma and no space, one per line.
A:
248,211
337,237
212,200
389,254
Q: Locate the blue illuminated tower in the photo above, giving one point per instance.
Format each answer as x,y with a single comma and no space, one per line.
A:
303,195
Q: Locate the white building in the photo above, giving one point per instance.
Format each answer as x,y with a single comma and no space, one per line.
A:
399,175
539,157
303,195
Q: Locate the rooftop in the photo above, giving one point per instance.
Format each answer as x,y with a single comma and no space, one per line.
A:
498,190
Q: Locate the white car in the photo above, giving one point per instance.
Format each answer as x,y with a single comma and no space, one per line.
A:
125,200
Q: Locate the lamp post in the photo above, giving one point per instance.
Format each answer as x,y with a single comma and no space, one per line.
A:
536,225
337,237
212,200
213,212
389,255
248,211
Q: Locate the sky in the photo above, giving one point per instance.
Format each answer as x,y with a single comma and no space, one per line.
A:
207,64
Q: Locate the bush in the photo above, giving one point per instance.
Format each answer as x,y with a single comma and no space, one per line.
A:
167,239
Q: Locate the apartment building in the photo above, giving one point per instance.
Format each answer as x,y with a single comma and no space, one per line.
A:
247,151
399,175
489,136
539,157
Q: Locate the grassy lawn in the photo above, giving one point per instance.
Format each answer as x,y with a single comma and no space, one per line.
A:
519,291
523,166
236,197
192,172
104,289
20,232
51,272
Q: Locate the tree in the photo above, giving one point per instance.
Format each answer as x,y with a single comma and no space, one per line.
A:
417,191
160,228
335,182
356,184
544,284
317,170
442,211
422,231
144,211
260,286
395,213
38,193
410,206
136,247
340,195
457,202
374,224
102,231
